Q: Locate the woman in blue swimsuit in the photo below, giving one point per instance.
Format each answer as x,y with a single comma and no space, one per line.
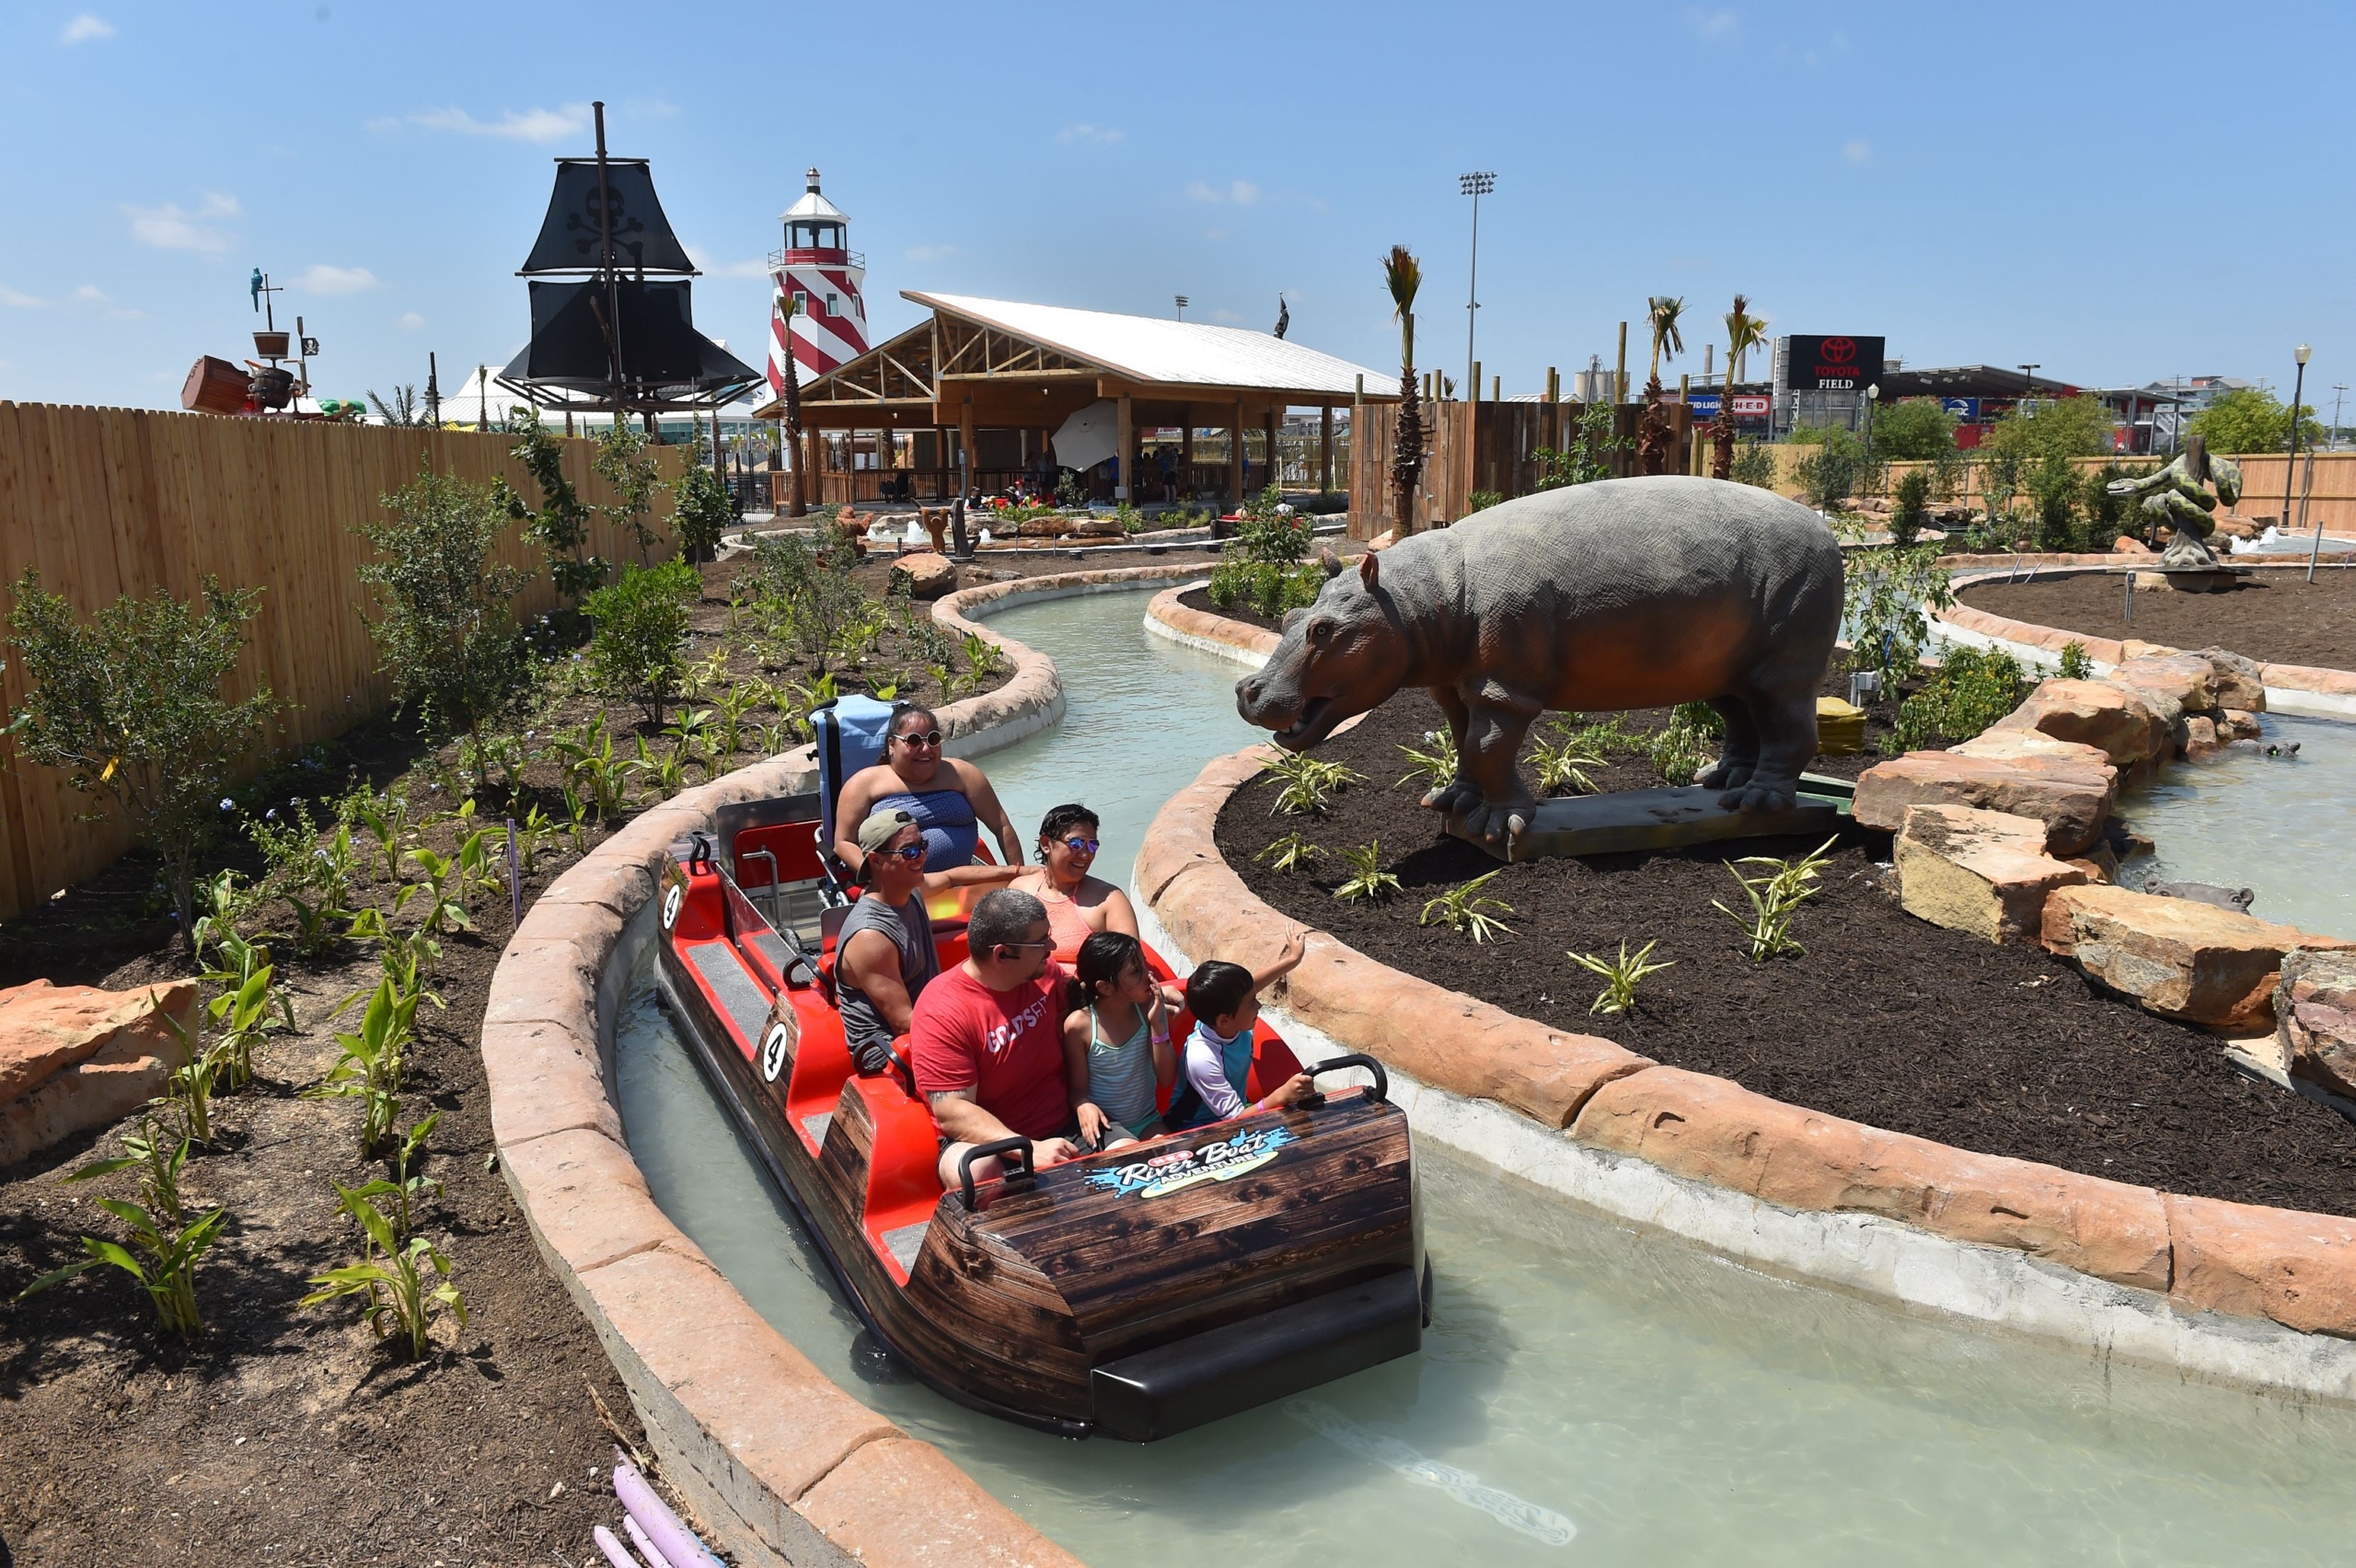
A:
950,799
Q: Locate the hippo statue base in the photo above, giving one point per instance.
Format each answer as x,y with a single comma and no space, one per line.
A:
1651,820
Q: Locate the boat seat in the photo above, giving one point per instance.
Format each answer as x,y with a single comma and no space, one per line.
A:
902,1182
822,1066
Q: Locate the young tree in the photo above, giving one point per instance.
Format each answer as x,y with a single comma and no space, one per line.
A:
1913,430
130,702
636,480
1402,275
561,524
1744,333
703,513
641,633
447,633
2251,418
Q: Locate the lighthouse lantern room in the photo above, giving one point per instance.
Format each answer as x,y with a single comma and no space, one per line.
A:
819,314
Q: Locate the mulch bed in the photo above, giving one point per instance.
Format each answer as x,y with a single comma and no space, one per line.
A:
1885,1020
2274,615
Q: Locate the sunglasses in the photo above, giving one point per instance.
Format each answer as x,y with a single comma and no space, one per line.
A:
911,853
1083,846
927,738
1026,947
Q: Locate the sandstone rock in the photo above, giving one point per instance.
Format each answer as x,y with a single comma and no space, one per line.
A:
2120,720
1097,528
2298,1269
2070,796
2234,681
2179,958
929,576
2200,738
2315,1017
2125,546
74,1057
1984,872
1042,527
2189,678
2239,724
2236,527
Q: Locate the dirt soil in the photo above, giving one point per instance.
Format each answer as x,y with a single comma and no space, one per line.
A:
1883,1018
2274,615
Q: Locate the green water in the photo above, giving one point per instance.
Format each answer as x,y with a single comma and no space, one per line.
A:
1586,1394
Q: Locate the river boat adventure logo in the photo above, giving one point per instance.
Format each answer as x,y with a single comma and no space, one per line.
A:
1167,1173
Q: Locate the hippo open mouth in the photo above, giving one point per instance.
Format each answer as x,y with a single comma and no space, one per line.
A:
1316,721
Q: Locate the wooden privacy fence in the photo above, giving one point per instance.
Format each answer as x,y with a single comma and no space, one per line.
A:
1479,446
109,502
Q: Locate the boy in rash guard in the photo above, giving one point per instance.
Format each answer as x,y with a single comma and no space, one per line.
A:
1225,999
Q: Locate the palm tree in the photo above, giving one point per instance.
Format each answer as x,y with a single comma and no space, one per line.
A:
797,502
1744,333
1402,275
1662,313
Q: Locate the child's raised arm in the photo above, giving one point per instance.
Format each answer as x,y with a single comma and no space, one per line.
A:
1285,962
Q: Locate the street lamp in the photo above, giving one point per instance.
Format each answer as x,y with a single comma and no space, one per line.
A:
2028,382
1476,186
1873,400
1182,306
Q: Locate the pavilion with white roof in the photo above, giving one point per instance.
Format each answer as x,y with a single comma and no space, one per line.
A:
983,388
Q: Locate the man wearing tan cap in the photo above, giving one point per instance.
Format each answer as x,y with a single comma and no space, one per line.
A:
885,953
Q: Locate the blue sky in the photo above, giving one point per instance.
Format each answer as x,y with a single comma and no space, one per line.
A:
2116,193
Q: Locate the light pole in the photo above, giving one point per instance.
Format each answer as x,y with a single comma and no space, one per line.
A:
2338,392
2298,390
1182,306
1476,186
2028,382
1873,400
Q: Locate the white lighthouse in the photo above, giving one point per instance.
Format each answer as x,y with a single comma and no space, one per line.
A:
819,315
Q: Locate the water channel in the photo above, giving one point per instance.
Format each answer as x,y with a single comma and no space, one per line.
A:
1586,1394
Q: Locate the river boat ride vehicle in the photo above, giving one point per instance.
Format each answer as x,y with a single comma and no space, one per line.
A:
1135,1293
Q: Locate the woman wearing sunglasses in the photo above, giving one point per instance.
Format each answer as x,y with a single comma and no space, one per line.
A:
950,799
1078,905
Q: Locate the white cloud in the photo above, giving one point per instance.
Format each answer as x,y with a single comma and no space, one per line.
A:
322,279
18,301
1226,317
930,252
1088,135
533,125
651,109
752,267
92,297
1712,26
86,29
1241,193
410,321
167,227
1857,152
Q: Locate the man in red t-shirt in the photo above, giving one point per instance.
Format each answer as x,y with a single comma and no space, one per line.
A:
986,1040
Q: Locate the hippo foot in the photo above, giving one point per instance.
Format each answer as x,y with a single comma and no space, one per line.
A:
1507,821
1453,799
1761,795
1726,776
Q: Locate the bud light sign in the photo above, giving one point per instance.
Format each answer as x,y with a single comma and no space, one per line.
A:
1833,364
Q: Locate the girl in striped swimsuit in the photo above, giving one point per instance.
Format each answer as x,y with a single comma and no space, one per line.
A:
1117,1054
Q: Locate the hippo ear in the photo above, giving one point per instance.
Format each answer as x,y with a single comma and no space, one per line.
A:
1367,571
1331,563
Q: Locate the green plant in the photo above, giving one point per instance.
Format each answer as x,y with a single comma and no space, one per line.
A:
1466,911
1564,761
729,709
1912,429
1589,455
159,1157
639,633
2251,418
1907,518
129,702
2076,665
371,1061
1367,878
1835,467
1620,975
1309,783
247,1016
561,524
668,772
1971,689
405,1187
1754,464
1402,276
1887,594
1289,853
1481,501
188,1086
446,633
1679,748
689,733
386,817
1775,894
1436,764
164,1262
634,478
800,597
703,513
442,888
403,1297
589,761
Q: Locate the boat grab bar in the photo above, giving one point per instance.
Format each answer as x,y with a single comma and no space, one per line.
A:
1000,1148
777,879
1355,1059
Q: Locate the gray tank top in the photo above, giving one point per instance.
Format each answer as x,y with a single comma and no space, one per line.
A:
1120,1072
911,930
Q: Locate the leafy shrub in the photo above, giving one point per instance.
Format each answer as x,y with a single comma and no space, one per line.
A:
162,1257
635,479
1907,518
703,514
1620,975
447,635
1273,591
561,524
641,633
1972,688
1467,911
1680,747
1367,878
800,597
1588,458
1481,501
1775,894
1835,471
1886,592
1913,430
1754,464
2076,665
130,702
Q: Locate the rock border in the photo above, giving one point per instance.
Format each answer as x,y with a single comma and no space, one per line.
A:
2237,1293
783,1466
1236,641
2310,691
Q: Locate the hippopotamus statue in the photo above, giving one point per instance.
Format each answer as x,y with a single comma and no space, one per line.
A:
1618,595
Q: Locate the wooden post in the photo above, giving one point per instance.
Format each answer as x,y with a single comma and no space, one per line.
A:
1187,454
1326,450
966,446
1235,456
1128,456
1620,377
1269,426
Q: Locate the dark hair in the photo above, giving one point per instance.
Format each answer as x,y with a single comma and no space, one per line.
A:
1103,957
1061,820
931,720
1216,990
1001,916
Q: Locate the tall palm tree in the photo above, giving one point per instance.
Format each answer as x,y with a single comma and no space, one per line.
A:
1744,333
1402,275
797,502
1662,312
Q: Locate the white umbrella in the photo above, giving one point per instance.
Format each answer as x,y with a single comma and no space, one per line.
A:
1089,436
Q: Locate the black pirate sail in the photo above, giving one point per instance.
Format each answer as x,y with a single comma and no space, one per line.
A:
613,330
